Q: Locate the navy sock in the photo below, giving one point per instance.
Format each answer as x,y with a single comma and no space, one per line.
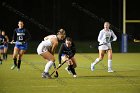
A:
72,69
19,63
15,61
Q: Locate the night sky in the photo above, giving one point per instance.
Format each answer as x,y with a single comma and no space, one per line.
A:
82,19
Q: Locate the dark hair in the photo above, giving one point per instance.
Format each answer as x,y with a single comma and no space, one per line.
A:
68,39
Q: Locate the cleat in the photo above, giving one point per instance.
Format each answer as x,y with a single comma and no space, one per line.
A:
46,75
110,71
92,67
18,69
74,76
69,72
13,67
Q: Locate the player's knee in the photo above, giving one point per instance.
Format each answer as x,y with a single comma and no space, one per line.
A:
75,65
100,59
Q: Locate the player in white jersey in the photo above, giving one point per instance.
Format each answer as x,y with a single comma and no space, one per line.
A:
104,39
47,49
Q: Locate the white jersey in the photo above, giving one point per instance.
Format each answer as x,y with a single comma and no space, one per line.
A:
105,38
46,44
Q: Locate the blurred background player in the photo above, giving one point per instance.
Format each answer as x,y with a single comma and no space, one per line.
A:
21,36
47,49
2,42
67,52
104,39
5,46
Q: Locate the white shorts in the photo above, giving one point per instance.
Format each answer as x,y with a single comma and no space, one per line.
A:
105,47
44,46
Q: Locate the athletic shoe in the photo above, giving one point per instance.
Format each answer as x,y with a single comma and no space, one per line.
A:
92,67
13,67
69,72
46,75
74,76
18,69
110,71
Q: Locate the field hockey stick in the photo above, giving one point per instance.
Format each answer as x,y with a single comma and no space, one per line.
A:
58,68
56,72
11,42
106,43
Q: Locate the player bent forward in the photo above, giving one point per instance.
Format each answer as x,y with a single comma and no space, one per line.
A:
66,53
104,40
47,49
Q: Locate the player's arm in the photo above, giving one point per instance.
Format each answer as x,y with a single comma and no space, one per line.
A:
100,37
7,39
60,52
55,44
73,51
114,36
14,36
28,36
4,40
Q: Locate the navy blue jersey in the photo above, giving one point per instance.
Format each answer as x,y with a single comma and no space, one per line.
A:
2,39
64,50
21,35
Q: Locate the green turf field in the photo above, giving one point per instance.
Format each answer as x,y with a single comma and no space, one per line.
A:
126,79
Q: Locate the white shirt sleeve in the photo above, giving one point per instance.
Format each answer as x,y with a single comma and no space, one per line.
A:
114,36
100,37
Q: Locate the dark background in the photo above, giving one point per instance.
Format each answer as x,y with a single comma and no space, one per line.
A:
44,17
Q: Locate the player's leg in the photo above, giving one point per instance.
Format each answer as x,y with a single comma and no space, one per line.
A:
21,53
73,65
64,58
15,53
50,58
101,56
5,53
110,61
1,52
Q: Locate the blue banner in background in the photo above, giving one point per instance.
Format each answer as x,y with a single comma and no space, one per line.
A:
124,43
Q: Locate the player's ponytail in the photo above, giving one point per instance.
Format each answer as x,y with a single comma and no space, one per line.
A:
61,32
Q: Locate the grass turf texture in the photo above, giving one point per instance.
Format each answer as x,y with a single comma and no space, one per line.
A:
126,79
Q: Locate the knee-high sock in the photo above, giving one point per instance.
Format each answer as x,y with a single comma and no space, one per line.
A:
96,61
72,69
15,61
4,56
48,66
19,63
109,64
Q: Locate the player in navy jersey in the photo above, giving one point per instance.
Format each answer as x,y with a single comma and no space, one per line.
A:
2,42
5,45
67,52
20,37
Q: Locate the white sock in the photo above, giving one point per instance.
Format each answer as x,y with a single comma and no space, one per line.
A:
109,64
96,61
48,66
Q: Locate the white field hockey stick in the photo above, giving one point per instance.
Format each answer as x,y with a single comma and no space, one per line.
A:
58,68
106,43
12,42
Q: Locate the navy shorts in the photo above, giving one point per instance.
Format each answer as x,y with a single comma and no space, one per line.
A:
23,46
1,47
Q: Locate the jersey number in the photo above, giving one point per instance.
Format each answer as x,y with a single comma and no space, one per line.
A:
20,37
